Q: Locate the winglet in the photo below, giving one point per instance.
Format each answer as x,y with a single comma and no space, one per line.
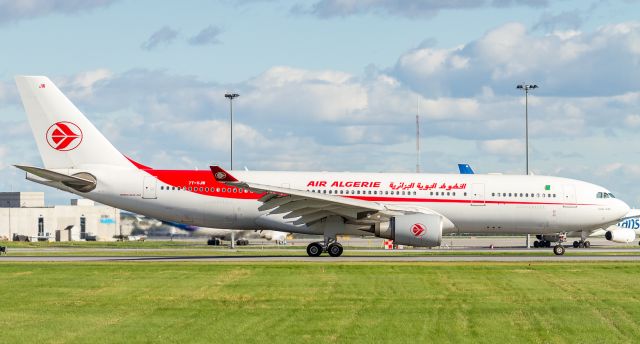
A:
221,175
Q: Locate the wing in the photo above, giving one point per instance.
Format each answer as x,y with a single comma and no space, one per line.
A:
304,207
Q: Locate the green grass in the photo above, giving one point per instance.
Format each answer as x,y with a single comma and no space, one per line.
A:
320,303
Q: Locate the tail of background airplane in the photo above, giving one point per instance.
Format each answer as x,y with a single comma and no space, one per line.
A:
465,169
65,137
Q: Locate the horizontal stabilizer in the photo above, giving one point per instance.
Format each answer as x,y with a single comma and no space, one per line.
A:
85,182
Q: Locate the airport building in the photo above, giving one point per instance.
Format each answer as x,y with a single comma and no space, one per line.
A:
23,215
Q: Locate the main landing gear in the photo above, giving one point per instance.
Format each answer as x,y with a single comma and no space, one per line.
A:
581,244
541,243
332,247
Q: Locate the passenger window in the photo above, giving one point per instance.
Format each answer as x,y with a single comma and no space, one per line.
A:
454,193
414,193
431,193
189,188
448,193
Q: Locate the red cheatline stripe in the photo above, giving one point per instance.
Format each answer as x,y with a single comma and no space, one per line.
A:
166,175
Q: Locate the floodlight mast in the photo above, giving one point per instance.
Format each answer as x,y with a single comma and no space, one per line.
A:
526,88
231,96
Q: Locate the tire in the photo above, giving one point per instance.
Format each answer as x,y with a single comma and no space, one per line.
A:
587,244
575,244
536,244
581,245
335,250
558,250
314,249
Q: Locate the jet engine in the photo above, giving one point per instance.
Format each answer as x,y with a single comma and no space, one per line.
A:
424,230
621,235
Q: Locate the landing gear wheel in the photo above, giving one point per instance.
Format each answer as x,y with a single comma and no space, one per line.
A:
314,249
576,244
335,250
581,244
536,244
558,250
587,244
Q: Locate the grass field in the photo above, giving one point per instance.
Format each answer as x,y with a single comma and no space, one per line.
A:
320,303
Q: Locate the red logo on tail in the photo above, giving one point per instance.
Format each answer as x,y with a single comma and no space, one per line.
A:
418,229
64,136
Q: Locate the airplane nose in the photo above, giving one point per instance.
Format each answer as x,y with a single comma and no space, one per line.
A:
623,208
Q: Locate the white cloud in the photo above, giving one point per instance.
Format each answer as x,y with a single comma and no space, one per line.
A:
15,10
502,147
3,153
510,53
632,121
405,8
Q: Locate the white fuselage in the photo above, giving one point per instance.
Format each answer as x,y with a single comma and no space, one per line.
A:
472,203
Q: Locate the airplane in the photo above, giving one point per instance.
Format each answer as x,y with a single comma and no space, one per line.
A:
619,232
241,237
413,209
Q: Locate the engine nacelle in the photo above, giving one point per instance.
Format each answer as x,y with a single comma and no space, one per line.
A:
621,235
424,230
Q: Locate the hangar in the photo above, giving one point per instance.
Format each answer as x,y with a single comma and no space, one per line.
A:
23,215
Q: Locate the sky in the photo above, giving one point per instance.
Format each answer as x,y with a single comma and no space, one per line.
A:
335,85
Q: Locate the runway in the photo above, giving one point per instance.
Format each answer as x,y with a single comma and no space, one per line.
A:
466,249
326,259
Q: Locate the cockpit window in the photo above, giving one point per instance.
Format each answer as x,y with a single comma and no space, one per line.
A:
605,195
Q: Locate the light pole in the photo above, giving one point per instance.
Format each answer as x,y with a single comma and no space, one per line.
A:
526,88
231,96
9,206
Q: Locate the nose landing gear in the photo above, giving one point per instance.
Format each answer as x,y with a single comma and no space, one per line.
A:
558,250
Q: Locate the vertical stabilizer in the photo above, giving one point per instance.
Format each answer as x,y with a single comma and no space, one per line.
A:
65,137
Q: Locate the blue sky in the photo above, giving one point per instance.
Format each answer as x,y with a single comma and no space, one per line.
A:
334,84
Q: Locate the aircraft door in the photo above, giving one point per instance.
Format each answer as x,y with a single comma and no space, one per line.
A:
569,196
149,187
477,195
